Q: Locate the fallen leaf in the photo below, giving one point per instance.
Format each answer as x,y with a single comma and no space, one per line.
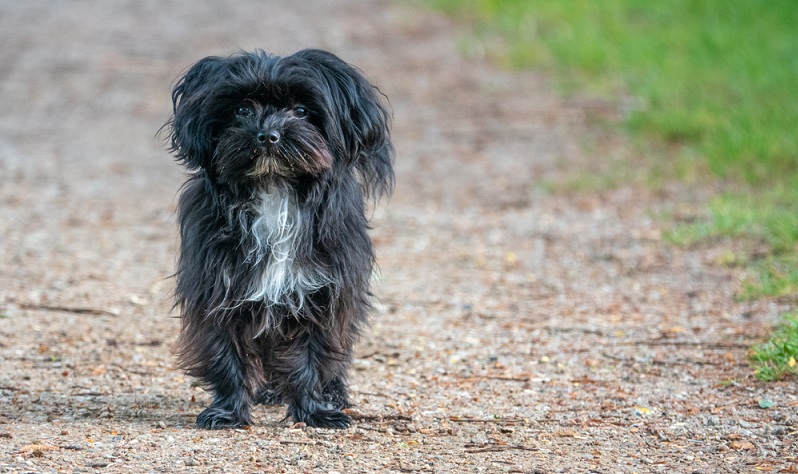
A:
565,434
138,300
99,370
32,448
764,403
742,445
510,258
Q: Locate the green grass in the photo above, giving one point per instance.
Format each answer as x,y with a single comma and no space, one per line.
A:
766,222
767,218
709,88
717,76
775,277
777,357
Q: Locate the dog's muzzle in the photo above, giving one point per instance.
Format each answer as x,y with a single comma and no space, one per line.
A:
268,137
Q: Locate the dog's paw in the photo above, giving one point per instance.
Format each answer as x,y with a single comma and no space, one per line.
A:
329,419
216,418
321,418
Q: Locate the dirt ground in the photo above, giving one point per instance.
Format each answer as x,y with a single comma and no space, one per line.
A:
517,330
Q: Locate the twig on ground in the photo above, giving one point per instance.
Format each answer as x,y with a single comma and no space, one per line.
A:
666,342
68,309
501,421
563,329
679,363
374,394
482,448
378,418
506,378
298,441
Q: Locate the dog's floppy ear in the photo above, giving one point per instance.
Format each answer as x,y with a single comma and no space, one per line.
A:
192,124
363,122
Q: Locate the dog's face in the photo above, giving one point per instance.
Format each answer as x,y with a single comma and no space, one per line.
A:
256,116
270,133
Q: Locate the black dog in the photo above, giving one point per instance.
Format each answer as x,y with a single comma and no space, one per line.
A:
275,261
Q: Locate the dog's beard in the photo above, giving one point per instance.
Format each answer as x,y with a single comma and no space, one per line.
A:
239,157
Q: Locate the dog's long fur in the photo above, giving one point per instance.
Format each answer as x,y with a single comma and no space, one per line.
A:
275,260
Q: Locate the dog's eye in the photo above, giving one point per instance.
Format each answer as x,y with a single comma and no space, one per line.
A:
244,111
300,111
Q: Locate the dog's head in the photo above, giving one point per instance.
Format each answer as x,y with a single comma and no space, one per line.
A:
256,116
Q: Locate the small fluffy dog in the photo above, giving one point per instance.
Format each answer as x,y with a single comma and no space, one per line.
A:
273,273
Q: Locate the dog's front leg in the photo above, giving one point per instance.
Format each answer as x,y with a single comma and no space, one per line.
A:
223,367
312,365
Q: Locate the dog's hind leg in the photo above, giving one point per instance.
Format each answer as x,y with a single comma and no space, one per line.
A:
268,395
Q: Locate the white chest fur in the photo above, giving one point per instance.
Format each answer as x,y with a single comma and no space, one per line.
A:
277,230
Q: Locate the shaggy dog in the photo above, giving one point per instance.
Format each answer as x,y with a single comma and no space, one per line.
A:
273,274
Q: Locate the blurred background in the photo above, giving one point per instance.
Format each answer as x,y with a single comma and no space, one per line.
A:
707,92
590,253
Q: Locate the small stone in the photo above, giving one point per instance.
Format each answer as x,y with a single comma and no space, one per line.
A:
778,430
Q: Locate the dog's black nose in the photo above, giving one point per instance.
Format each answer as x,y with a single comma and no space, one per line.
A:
272,136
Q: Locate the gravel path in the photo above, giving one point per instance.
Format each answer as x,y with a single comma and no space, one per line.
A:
518,330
